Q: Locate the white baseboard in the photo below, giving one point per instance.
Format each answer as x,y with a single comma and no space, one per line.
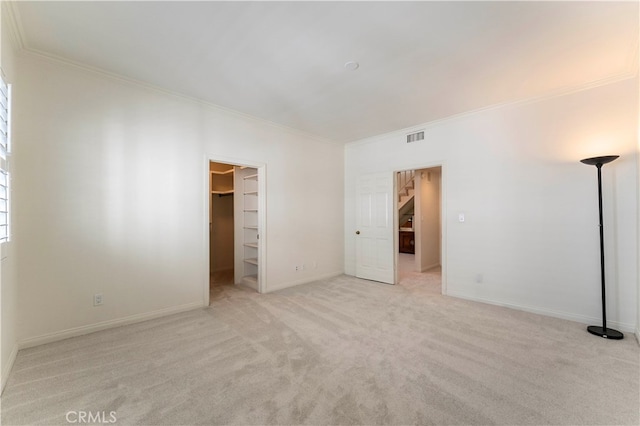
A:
86,329
426,268
307,280
629,328
638,336
6,369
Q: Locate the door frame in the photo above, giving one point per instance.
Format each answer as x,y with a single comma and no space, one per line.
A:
443,221
262,221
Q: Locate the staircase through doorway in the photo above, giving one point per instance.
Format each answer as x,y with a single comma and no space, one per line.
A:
406,197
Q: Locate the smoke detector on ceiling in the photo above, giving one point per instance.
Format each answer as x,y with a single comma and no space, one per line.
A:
351,65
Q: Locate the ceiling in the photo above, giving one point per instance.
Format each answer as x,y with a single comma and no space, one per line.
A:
284,61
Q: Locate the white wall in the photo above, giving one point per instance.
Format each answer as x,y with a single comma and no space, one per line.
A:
638,220
8,270
112,199
530,205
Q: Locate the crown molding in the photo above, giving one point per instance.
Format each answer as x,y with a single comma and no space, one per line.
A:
564,91
41,55
19,41
11,17
631,70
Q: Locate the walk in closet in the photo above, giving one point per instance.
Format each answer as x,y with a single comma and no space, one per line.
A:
234,234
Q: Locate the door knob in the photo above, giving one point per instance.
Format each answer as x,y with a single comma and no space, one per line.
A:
357,232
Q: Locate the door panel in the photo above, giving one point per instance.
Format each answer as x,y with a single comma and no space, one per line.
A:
374,224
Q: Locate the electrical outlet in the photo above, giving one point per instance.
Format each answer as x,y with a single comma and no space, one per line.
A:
479,278
97,299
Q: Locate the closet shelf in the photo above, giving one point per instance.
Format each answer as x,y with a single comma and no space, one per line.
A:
226,172
221,182
251,280
248,210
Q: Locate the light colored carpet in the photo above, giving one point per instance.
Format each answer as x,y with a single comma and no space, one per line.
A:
406,266
337,351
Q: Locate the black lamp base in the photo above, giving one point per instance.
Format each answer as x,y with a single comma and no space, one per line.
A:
608,333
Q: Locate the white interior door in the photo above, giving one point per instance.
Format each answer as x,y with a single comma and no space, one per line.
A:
374,228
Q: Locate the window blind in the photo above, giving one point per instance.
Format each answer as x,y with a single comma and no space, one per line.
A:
5,149
4,118
4,206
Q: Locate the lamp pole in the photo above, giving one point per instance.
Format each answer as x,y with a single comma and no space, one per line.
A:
607,333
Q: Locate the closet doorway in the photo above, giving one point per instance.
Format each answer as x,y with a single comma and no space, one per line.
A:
221,226
235,228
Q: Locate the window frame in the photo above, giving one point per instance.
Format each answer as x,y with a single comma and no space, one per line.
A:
5,154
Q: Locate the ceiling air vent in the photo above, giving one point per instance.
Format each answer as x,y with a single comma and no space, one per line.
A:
415,137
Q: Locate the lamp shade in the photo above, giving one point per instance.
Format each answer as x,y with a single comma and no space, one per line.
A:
594,161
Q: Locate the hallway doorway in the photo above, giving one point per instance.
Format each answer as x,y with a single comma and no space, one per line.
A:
429,281
419,254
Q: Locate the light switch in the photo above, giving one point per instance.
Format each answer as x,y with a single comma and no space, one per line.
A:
460,217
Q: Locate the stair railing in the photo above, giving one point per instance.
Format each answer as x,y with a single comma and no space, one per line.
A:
405,179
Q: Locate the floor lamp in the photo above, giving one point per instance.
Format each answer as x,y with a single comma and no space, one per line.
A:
607,333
